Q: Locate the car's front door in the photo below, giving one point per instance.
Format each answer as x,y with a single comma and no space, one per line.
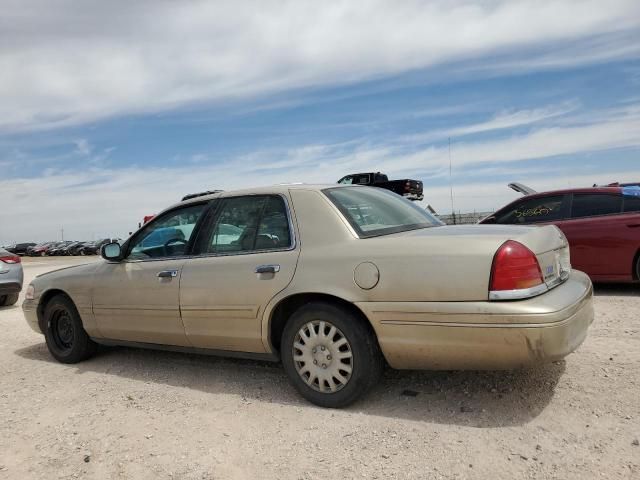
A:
138,299
248,254
597,232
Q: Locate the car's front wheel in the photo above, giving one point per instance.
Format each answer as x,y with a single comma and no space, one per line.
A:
330,355
66,338
8,300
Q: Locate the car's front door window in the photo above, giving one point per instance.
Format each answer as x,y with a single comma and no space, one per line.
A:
592,205
166,236
631,204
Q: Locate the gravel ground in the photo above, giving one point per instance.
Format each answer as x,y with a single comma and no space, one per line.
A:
139,414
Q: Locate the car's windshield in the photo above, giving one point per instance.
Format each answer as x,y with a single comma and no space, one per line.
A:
373,211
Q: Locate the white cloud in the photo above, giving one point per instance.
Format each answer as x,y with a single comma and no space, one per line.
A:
110,202
83,147
69,62
502,120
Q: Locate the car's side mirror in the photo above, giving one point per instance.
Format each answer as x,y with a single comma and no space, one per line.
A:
491,219
111,252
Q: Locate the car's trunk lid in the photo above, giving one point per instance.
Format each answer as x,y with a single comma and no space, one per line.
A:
464,255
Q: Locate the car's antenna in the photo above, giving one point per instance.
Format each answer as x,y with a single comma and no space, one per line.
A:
451,184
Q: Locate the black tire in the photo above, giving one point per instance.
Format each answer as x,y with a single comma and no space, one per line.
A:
66,338
367,363
8,300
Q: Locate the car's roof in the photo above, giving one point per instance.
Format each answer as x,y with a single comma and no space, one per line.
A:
282,188
577,190
564,191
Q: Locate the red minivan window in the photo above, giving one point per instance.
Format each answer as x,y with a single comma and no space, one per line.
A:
534,210
631,204
595,204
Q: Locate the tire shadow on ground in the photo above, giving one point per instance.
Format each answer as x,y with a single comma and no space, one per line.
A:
483,399
616,289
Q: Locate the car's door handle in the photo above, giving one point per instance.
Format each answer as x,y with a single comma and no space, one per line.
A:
633,225
267,268
168,274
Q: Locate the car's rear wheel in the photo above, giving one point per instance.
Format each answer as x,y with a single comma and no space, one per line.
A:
66,338
330,355
8,300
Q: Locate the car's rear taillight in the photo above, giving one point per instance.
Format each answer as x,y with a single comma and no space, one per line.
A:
515,273
10,259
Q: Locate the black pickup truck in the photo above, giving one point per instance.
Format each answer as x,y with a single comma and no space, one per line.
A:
410,189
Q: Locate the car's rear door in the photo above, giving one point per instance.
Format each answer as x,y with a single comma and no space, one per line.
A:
248,253
137,299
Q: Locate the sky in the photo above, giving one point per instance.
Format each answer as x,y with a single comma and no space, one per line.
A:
110,111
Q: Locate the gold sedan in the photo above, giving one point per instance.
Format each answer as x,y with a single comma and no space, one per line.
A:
334,281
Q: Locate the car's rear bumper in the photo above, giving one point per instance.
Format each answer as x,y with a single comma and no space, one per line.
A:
484,335
10,287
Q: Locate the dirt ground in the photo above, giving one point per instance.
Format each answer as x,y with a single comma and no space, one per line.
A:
141,414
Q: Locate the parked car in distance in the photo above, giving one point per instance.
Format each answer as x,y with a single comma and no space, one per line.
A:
333,280
74,248
40,250
59,248
410,189
90,248
19,248
11,277
69,248
93,248
602,225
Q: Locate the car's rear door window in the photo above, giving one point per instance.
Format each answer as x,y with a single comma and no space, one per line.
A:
534,210
250,223
595,204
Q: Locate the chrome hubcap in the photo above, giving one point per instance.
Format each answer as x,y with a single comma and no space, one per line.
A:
322,356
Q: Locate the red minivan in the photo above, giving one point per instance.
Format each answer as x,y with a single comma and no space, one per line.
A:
602,225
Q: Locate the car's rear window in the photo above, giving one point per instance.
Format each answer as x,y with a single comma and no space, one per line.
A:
374,211
533,210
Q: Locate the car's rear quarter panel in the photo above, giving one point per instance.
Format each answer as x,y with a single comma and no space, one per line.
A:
430,308
484,335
